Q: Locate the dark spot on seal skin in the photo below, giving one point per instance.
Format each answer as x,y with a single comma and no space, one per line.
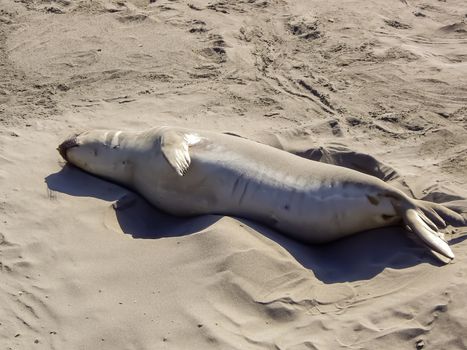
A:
387,217
95,152
373,200
286,207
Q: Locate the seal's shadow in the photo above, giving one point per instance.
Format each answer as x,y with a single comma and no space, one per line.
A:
135,215
358,257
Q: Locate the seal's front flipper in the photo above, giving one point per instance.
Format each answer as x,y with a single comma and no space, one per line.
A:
430,237
175,148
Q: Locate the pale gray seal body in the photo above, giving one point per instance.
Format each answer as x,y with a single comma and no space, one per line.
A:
186,172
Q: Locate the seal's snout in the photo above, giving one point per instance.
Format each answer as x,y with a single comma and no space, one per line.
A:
70,142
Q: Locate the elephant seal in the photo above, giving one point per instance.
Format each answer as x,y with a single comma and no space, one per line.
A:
186,172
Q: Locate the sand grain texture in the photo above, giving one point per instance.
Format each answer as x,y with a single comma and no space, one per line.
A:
86,264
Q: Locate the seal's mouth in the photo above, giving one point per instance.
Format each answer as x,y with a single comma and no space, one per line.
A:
70,142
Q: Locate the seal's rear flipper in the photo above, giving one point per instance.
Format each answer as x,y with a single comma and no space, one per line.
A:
447,215
174,147
430,237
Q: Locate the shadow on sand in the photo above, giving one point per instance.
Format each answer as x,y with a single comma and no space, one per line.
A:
358,257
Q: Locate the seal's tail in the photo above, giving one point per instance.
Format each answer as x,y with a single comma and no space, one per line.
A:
427,231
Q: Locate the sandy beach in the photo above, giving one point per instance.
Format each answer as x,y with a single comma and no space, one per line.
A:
85,264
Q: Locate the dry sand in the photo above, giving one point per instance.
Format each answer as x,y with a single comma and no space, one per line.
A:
85,264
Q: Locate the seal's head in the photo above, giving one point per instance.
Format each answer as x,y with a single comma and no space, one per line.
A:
98,152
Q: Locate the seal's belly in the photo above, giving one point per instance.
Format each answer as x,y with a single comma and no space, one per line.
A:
311,213
308,207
